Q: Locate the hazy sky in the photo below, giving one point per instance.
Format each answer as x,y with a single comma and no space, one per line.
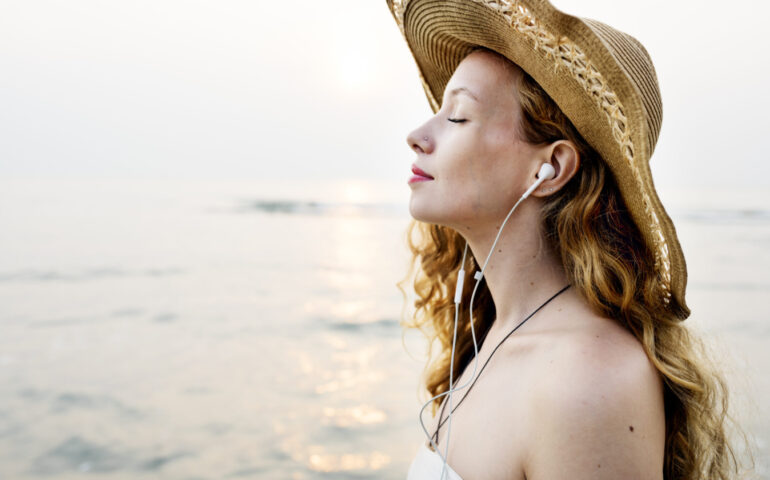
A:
307,89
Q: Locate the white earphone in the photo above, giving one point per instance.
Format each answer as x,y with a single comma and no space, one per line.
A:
546,172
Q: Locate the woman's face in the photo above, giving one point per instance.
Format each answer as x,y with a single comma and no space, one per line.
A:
472,148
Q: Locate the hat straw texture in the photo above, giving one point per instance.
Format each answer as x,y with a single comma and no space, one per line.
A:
601,78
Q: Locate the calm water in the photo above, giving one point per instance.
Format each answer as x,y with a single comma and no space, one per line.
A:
250,330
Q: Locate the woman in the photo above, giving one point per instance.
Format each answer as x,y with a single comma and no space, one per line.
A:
564,345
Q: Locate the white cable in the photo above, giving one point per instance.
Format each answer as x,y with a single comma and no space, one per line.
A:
460,281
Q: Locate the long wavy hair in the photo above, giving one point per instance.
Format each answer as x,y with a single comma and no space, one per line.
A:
588,226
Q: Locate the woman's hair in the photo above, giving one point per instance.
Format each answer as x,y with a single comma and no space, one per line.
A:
589,228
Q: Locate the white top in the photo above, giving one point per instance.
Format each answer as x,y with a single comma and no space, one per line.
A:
427,465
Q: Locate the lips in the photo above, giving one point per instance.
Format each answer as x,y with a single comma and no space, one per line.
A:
420,172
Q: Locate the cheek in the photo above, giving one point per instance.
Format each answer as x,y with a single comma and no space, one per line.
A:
510,162
503,153
498,141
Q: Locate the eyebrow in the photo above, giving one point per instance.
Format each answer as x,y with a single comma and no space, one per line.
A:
465,90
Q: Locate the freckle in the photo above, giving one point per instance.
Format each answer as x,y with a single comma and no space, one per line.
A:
531,283
497,227
631,427
599,465
499,250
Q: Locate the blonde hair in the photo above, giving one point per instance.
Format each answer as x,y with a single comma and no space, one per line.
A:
587,225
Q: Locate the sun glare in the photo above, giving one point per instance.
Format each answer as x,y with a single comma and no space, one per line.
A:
354,68
355,192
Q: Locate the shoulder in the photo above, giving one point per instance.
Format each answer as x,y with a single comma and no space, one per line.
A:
599,412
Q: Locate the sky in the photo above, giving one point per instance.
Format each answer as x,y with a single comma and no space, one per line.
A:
235,89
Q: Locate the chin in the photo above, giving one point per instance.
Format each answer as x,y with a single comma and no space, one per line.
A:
421,212
427,213
418,213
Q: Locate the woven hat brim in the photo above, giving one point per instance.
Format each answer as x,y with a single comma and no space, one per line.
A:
576,61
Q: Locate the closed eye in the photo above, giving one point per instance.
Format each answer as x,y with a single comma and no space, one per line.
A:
457,120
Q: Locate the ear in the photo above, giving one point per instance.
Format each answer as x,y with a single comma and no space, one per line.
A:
565,159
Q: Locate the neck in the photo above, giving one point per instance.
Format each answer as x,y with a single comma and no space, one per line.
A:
523,272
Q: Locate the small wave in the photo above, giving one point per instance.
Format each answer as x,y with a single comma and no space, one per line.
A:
381,324
76,454
247,472
731,286
66,401
724,215
301,207
32,275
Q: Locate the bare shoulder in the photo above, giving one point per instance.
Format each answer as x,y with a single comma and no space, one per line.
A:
599,413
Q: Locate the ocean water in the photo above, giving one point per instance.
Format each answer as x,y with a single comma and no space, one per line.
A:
210,330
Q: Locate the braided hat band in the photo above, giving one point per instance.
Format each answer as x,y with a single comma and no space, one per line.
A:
601,78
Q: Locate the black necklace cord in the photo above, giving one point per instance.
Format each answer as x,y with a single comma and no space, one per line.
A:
441,423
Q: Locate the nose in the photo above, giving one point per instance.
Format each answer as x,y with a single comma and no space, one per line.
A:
419,141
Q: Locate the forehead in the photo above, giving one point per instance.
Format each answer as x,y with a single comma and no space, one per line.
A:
490,77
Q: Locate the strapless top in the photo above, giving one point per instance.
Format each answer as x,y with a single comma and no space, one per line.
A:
427,465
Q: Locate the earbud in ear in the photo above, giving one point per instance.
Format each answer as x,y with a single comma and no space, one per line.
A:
546,172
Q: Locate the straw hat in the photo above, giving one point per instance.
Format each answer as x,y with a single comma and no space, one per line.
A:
601,78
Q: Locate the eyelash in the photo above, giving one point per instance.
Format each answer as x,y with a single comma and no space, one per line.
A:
456,120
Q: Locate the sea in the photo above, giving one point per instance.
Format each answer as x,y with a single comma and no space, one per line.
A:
249,329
